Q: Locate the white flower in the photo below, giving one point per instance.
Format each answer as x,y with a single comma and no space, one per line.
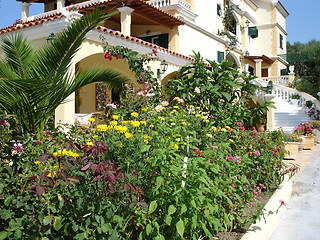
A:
150,94
158,108
197,90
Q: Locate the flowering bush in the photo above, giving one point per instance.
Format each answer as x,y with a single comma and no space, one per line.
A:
305,129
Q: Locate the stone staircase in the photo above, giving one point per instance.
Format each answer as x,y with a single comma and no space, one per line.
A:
288,114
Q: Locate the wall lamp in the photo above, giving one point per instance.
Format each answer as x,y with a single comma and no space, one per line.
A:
163,68
51,37
247,25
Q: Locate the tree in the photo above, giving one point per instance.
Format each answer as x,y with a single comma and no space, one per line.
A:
306,58
33,83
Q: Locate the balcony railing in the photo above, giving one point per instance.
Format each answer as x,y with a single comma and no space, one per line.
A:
166,3
45,14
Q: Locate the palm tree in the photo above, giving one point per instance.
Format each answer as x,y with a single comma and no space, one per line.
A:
33,83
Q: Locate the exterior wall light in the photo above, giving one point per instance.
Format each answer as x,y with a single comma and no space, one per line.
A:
163,68
51,37
247,25
246,54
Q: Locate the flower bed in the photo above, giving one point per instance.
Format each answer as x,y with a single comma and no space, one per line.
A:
164,172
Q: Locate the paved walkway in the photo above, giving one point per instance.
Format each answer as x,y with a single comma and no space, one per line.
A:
301,220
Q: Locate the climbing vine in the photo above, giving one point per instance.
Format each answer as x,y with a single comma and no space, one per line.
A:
137,64
229,26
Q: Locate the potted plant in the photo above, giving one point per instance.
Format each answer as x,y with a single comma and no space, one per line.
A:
258,116
305,131
294,98
292,142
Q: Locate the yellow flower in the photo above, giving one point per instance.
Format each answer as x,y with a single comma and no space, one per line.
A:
169,174
223,129
175,106
143,122
95,136
206,120
161,118
209,135
214,129
144,109
172,124
178,139
128,135
231,140
146,136
198,115
176,146
115,117
91,120
135,123
121,129
102,128
146,141
121,145
89,143
227,127
198,108
191,106
114,123
37,162
135,114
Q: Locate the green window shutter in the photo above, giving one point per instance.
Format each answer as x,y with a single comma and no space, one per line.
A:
219,11
253,32
220,56
283,72
163,40
281,41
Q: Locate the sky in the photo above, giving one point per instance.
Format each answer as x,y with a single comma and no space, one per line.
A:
302,23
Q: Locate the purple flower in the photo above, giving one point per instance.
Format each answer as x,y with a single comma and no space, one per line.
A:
18,148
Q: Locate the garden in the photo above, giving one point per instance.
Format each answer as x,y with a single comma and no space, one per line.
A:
180,161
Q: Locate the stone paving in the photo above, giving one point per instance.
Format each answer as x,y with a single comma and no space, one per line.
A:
301,219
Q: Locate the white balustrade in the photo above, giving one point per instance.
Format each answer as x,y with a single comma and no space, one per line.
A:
282,80
165,3
79,5
286,93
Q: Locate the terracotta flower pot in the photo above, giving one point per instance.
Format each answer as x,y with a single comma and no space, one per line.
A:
308,142
293,149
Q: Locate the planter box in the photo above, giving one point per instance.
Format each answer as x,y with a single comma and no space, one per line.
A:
293,149
308,142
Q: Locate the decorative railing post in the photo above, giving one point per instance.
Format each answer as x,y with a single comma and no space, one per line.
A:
270,113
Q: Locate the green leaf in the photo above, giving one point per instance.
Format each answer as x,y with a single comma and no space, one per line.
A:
57,223
114,235
168,220
183,208
194,221
145,148
172,209
180,227
47,220
1,188
148,229
3,235
153,206
106,227
5,214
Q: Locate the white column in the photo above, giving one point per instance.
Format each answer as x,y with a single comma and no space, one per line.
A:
270,113
125,20
258,67
60,5
25,11
65,112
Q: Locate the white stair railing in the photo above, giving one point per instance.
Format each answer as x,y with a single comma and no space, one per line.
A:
282,80
166,3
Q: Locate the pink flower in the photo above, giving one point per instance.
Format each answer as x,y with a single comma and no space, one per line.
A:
197,90
257,153
111,105
252,204
230,129
222,100
126,85
164,103
140,93
242,129
283,202
233,185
